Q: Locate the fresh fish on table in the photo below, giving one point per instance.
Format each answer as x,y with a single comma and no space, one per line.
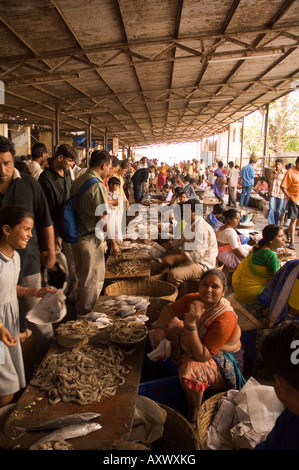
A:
68,432
64,421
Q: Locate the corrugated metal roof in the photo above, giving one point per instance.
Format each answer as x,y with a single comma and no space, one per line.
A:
149,71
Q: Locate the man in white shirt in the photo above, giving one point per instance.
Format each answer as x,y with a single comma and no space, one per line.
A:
197,247
142,163
39,155
232,184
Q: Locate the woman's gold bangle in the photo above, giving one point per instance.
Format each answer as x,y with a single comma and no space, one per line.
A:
1,324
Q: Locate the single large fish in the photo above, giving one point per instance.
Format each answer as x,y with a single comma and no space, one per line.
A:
69,432
63,421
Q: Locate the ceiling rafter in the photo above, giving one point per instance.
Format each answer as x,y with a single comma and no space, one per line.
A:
225,25
131,54
277,16
146,74
54,4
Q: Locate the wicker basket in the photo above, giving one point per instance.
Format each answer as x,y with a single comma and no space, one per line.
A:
178,433
69,342
160,277
205,418
148,287
155,307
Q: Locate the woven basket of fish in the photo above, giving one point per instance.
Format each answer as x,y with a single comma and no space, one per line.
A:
123,333
150,287
74,334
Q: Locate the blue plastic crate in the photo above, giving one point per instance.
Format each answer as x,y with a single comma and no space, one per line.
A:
167,391
248,340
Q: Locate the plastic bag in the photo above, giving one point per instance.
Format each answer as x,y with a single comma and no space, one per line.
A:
50,309
160,352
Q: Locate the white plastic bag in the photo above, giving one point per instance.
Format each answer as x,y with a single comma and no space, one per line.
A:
50,309
162,351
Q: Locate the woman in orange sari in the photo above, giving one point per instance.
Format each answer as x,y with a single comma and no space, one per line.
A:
203,340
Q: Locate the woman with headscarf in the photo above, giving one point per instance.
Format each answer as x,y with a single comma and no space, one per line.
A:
204,334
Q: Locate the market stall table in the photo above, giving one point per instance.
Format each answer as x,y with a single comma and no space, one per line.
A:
116,412
246,320
200,192
208,204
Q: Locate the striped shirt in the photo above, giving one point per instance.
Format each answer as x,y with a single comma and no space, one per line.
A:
274,184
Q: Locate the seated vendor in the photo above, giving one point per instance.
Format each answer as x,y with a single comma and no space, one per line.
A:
261,187
167,193
255,271
204,334
230,249
215,218
197,247
190,189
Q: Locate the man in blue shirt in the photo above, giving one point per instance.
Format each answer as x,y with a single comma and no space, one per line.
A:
247,173
280,354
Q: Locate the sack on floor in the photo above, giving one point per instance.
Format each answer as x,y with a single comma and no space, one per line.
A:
266,210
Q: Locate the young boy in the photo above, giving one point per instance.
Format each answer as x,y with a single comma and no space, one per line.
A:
182,196
113,187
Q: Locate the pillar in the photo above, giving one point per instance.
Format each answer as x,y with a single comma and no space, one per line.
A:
266,122
57,111
242,143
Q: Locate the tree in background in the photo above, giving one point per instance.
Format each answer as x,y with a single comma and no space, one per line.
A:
283,133
283,128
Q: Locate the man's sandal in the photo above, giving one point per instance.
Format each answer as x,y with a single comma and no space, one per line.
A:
23,336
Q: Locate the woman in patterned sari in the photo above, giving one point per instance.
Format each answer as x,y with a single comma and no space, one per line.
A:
255,271
204,333
220,182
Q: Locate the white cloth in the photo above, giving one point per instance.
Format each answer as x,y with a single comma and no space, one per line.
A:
35,169
148,421
228,236
233,177
12,374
